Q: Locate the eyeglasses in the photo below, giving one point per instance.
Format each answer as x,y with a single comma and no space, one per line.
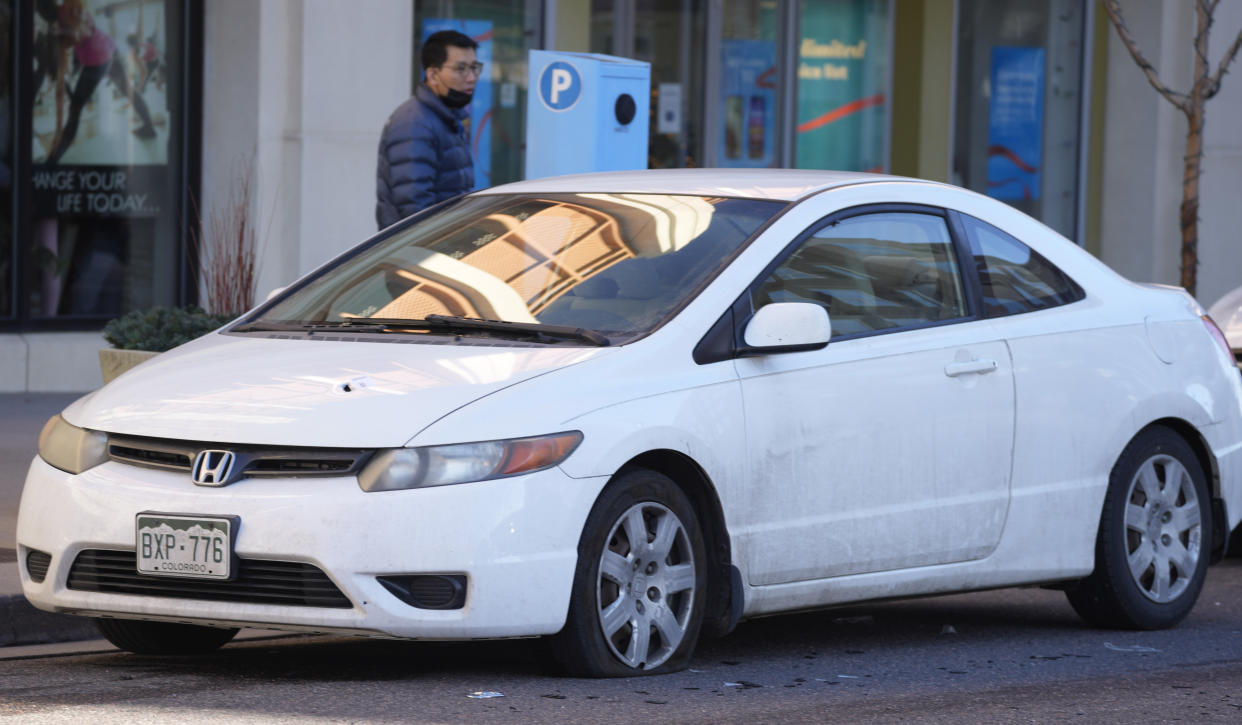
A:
463,69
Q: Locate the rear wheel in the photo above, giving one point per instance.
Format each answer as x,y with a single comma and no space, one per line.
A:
640,583
163,638
1151,552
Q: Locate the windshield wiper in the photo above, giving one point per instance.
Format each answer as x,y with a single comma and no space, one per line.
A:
533,330
274,326
435,323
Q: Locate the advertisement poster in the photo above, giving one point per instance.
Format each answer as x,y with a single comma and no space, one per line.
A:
100,121
749,92
480,107
1016,123
843,86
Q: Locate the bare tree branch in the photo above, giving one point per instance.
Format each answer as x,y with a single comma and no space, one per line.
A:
1214,84
1180,100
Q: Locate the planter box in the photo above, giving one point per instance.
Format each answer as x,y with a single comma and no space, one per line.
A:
113,362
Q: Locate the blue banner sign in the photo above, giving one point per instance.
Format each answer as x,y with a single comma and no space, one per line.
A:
1016,123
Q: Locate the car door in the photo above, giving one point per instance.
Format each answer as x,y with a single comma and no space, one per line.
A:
890,447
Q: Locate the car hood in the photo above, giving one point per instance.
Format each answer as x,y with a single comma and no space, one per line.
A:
354,394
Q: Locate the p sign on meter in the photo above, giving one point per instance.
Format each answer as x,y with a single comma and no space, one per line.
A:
560,86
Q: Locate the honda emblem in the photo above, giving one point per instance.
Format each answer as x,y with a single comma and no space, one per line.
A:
213,468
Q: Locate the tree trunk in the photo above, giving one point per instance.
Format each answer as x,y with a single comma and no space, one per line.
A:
1194,151
1190,200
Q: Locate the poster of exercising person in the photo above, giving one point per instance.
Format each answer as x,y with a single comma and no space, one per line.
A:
99,90
103,120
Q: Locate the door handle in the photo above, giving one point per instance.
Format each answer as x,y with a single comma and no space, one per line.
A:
981,366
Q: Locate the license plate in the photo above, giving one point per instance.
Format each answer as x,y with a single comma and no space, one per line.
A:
196,547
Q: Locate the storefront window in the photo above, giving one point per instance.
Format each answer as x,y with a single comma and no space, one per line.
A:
843,85
669,36
748,78
105,144
8,250
505,31
1019,75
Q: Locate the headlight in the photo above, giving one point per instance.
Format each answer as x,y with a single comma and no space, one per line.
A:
70,448
400,468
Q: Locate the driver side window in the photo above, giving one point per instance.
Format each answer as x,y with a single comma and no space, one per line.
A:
873,272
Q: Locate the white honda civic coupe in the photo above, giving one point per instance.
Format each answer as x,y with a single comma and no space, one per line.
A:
622,410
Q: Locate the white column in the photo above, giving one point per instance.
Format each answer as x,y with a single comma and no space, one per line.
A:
302,88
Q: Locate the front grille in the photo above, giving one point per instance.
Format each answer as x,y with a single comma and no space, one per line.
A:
149,457
37,563
299,467
288,583
253,460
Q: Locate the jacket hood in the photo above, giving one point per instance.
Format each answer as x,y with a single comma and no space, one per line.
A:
353,394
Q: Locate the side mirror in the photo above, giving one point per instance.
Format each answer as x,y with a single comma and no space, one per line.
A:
273,293
786,327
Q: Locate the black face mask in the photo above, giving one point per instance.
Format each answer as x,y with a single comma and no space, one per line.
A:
455,98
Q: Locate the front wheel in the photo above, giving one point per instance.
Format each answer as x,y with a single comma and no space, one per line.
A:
162,638
1151,552
639,587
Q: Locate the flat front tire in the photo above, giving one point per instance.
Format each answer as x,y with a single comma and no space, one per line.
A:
1152,549
640,583
163,638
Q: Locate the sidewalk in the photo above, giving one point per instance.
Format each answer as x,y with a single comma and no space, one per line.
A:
22,416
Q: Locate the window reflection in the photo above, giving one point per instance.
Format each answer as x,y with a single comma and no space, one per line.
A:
612,262
873,272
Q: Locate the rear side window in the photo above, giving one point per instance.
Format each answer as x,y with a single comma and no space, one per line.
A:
1015,278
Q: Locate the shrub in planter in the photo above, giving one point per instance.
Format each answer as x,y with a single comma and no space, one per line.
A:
157,329
143,334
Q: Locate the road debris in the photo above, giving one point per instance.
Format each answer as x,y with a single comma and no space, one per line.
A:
1131,648
745,685
485,695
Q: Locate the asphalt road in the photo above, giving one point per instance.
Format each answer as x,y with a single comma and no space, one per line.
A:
1010,656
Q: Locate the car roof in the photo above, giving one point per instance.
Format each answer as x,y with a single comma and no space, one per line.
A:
777,184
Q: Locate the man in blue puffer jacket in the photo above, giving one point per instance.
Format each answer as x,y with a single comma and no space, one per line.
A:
424,151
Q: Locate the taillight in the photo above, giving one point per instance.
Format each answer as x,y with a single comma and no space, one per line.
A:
1219,337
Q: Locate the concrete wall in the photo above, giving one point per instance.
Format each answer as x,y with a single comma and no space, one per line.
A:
50,362
1144,143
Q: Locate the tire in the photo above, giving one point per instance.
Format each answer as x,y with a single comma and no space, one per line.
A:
1154,542
163,638
636,609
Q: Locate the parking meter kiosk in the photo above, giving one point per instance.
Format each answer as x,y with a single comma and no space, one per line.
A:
585,112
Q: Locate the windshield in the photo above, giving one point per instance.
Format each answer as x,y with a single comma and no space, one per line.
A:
615,264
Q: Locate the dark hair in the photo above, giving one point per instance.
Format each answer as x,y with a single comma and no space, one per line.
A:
435,47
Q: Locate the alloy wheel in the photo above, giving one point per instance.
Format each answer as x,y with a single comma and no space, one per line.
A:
646,586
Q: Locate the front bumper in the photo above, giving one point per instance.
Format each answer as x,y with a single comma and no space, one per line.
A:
515,539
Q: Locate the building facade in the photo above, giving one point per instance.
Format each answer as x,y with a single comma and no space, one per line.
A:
132,127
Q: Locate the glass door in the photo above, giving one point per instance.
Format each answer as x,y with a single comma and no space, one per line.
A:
748,129
1018,104
843,85
668,35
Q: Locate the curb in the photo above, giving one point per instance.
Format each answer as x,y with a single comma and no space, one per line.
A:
22,623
